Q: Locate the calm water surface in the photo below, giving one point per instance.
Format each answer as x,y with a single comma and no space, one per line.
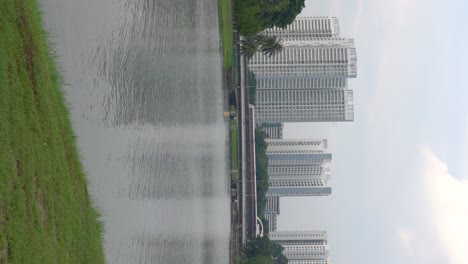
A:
144,86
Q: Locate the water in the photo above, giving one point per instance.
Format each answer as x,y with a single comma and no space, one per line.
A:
144,84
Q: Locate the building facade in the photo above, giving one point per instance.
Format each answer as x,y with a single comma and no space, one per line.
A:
296,146
292,83
308,80
318,58
305,28
273,130
315,261
299,191
298,167
285,238
273,205
298,159
303,245
272,221
304,105
297,182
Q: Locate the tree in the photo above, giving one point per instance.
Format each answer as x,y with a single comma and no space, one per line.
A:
259,259
254,16
261,160
269,45
277,13
281,260
249,46
263,246
267,249
247,17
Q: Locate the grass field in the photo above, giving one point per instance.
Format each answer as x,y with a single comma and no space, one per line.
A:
234,66
225,11
234,153
46,215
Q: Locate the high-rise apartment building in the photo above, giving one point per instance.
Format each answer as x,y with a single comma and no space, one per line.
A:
285,238
319,58
272,221
304,105
304,28
298,167
272,211
303,245
273,130
298,159
284,172
308,80
299,181
273,205
310,261
290,83
298,191
296,146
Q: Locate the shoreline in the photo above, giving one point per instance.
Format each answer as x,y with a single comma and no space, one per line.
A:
231,82
46,213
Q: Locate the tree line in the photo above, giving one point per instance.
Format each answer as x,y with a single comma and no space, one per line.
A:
262,250
261,160
254,16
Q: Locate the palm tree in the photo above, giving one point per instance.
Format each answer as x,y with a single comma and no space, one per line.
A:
249,46
269,45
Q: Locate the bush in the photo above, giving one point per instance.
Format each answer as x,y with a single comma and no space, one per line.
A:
253,16
261,159
247,12
262,250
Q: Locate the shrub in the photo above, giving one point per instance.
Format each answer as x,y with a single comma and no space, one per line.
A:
247,12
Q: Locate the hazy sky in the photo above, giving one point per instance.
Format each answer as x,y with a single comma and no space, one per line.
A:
400,171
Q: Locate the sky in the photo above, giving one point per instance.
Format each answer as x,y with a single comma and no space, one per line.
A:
399,176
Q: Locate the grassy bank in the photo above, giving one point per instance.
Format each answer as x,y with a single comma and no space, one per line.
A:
46,214
234,151
225,9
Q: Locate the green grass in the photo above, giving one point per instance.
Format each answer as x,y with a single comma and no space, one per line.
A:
225,11
234,152
234,176
46,215
232,108
234,66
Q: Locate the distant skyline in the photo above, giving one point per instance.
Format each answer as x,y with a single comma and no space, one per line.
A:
400,189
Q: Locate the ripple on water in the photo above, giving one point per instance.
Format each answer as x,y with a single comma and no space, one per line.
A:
144,81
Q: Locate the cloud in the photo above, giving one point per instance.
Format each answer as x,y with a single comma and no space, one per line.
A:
406,238
448,201
356,26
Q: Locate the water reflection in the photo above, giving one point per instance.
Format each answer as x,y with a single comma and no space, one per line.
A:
144,84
